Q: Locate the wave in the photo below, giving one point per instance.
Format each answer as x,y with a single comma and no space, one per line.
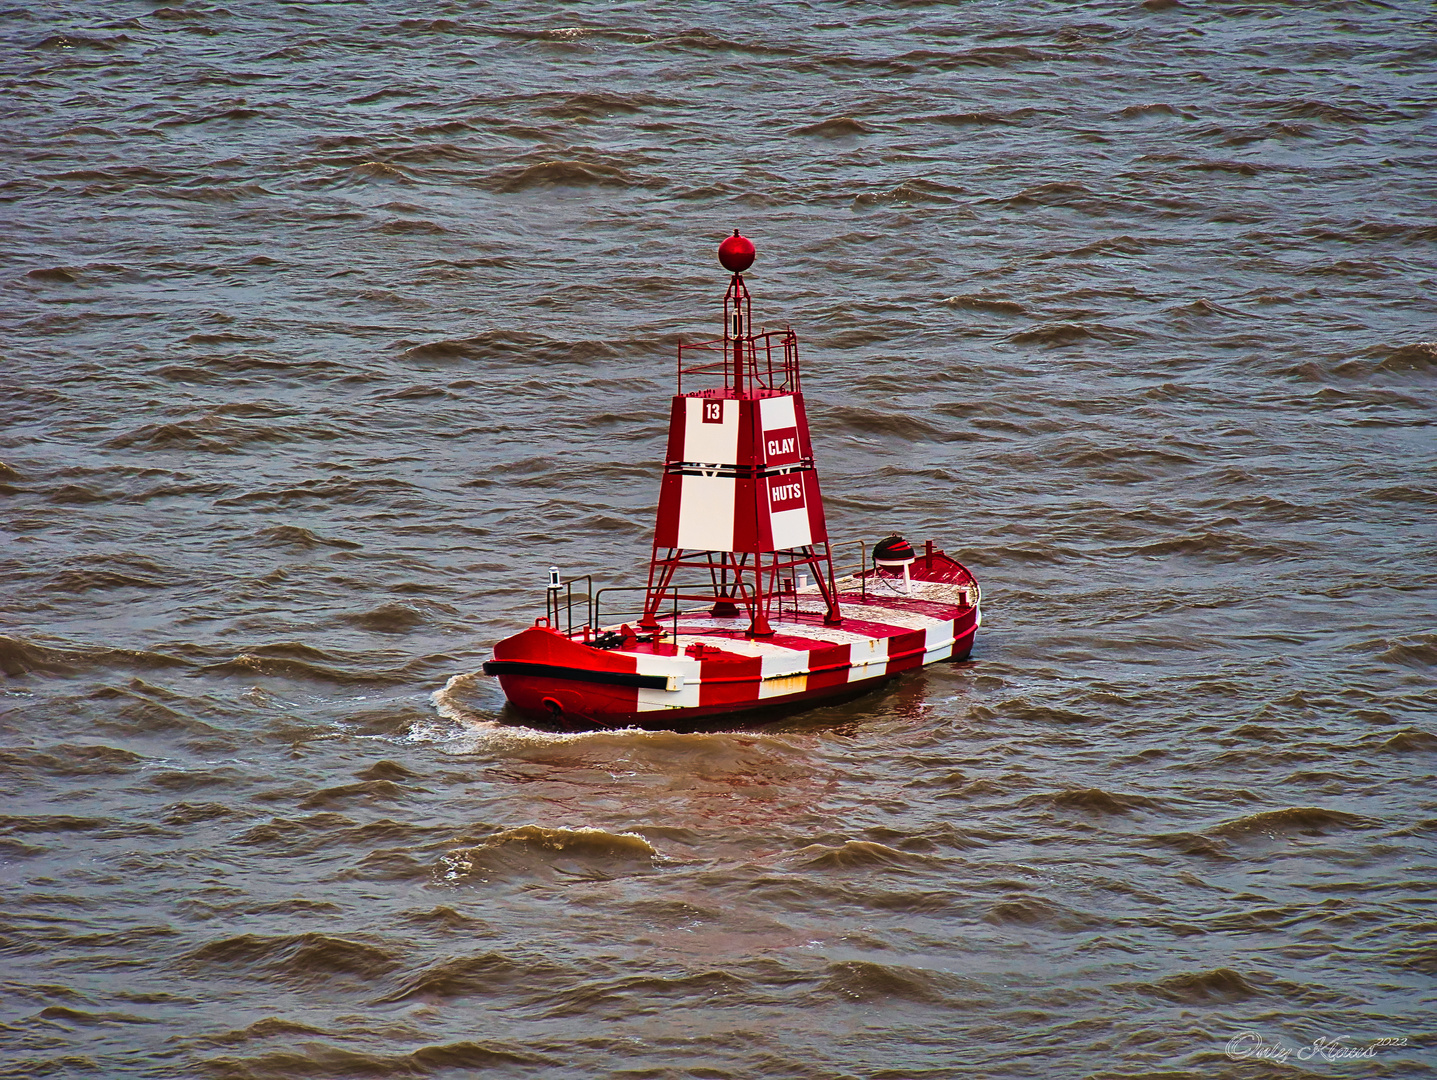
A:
1418,651
235,112
899,425
548,174
511,344
858,854
62,274
216,193
271,1027
1411,741
88,129
590,106
1098,456
1041,914
271,661
1187,843
446,127
1202,307
1243,168
381,170
984,302
404,227
443,917
981,117
1359,113
76,495
183,813
862,980
292,536
232,368
1114,245
387,770
1225,544
1059,334
52,823
208,434
1063,193
1219,986
1149,110
699,40
387,619
1361,232
1293,821
296,958
535,850
105,572
344,1063
380,490
994,56
837,128
64,759
20,656
915,192
82,41
1093,800
63,1014
362,791
415,393
1418,357
484,975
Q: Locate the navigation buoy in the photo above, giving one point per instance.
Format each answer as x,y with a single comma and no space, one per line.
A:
743,607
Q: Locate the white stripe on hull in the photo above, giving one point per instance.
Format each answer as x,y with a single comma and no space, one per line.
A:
784,671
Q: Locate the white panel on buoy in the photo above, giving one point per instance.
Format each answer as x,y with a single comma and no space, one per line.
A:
776,413
784,673
706,506
868,657
711,431
682,691
938,641
791,528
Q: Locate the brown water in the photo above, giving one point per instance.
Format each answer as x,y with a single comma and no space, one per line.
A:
328,327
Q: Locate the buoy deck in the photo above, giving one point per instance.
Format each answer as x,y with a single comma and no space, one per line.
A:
700,666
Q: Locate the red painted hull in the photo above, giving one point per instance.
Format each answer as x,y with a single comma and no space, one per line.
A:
715,669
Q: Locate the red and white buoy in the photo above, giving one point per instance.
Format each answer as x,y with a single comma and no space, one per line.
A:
742,607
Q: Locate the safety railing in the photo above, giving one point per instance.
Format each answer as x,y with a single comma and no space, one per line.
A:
672,592
767,361
569,611
860,571
562,601
554,604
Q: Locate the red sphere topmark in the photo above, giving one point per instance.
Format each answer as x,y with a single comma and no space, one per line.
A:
736,253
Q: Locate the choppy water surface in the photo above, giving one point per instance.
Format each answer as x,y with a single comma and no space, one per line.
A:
329,326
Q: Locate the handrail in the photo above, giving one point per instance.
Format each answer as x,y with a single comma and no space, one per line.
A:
551,602
593,603
862,566
757,366
621,588
593,599
672,590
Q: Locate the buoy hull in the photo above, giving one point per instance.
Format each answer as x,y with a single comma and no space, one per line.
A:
703,668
